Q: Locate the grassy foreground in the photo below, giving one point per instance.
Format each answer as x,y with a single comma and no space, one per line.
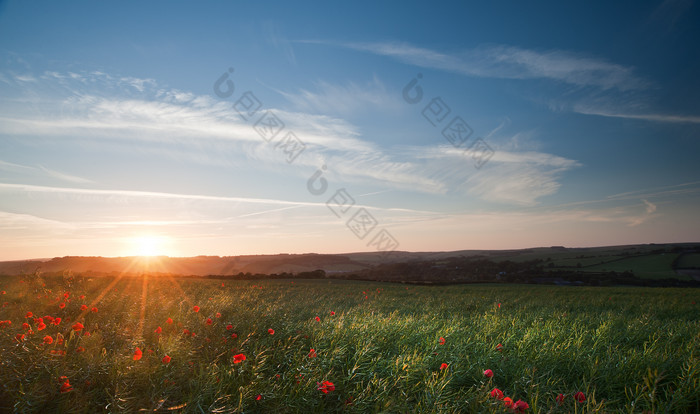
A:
626,350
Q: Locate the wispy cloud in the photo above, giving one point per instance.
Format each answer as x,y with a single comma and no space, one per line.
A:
509,62
41,171
344,100
10,166
65,177
595,77
176,121
273,36
650,207
675,190
119,196
682,119
22,222
519,178
167,116
146,194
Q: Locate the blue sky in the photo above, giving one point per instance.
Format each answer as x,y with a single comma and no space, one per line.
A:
585,123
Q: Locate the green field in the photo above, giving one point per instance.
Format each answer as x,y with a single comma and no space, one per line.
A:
657,266
689,260
651,261
626,349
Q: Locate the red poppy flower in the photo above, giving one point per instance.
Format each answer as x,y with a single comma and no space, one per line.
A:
158,330
508,402
28,315
497,394
580,397
209,321
443,366
80,349
332,313
169,321
25,326
234,336
83,307
19,337
271,331
317,319
196,308
86,333
520,406
499,347
185,332
93,310
56,321
81,297
238,358
137,354
229,327
560,398
78,326
499,306
325,386
222,284
48,339
66,387
258,397
218,315
61,305
166,359
312,353
441,341
41,326
488,373
65,295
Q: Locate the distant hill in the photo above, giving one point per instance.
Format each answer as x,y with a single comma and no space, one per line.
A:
648,261
186,266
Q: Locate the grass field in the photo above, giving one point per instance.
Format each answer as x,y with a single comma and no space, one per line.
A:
645,261
656,266
625,349
689,260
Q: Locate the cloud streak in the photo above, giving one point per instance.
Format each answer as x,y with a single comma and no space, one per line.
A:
42,171
344,100
667,118
509,62
172,121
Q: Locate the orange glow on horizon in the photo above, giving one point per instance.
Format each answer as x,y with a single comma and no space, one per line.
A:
148,246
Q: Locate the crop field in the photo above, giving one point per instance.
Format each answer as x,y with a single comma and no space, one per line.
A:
80,345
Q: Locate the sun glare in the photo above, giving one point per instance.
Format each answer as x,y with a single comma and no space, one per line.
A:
149,246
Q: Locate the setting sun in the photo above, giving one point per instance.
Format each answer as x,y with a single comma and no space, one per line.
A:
148,245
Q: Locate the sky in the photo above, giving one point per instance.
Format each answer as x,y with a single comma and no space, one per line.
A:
228,128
